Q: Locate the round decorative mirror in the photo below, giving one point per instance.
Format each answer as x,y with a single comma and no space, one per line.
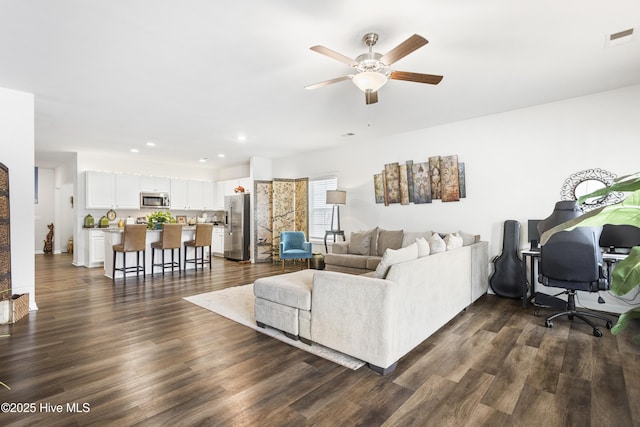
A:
587,181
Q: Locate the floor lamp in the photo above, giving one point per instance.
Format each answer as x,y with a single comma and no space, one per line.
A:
336,198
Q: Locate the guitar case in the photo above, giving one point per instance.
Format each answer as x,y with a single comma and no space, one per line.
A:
508,273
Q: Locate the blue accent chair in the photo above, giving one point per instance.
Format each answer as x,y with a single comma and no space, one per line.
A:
294,245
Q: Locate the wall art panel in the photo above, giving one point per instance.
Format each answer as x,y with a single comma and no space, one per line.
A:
392,177
434,175
421,183
449,177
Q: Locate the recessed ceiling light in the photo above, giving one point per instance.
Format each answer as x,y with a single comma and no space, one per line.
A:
242,138
221,155
151,144
134,150
204,160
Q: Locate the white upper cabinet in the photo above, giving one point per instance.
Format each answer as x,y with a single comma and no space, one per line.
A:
179,194
100,190
155,184
191,195
127,191
208,196
194,195
106,190
219,196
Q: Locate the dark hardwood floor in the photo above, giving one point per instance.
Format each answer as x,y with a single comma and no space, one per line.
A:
137,353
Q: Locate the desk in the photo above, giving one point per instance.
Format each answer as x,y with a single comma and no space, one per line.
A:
334,233
534,256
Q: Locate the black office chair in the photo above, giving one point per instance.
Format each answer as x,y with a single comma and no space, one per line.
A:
572,260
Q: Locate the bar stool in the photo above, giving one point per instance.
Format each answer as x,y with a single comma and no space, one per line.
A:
171,239
203,238
134,239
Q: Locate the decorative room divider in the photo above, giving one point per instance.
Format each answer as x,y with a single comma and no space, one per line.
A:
280,205
5,239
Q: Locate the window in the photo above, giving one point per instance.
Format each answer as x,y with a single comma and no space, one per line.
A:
319,211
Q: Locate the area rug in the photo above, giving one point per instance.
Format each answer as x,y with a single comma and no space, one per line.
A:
236,303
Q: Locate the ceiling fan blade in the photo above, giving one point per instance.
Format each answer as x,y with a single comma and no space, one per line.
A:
415,77
403,49
371,97
328,82
335,55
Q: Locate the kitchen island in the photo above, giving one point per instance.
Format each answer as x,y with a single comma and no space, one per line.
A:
113,236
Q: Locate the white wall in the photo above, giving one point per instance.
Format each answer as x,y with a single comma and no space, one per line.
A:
515,164
44,210
17,153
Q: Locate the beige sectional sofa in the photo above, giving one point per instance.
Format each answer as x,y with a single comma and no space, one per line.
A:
380,316
364,250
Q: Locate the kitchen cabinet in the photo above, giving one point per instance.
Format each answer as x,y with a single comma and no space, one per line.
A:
95,245
155,184
100,190
219,196
217,241
106,190
191,195
127,192
194,195
179,197
208,196
227,188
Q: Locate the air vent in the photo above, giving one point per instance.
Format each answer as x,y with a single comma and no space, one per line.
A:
620,37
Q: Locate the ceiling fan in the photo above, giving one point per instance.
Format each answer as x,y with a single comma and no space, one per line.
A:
372,67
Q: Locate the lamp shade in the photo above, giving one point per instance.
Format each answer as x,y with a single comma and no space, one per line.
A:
369,81
336,197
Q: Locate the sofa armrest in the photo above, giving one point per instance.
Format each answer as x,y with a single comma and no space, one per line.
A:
364,304
340,248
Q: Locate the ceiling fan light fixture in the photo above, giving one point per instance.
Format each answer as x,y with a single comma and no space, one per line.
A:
369,81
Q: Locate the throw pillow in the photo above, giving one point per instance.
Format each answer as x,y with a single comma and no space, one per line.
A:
423,247
389,240
467,238
453,241
436,244
359,243
395,256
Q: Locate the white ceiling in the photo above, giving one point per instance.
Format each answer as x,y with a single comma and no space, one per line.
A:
192,75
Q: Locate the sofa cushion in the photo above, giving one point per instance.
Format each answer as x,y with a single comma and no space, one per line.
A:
346,260
395,256
373,261
453,241
410,236
373,245
423,247
436,244
359,243
467,238
340,247
389,239
291,289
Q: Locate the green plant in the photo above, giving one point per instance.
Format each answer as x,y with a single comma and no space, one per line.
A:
159,217
626,275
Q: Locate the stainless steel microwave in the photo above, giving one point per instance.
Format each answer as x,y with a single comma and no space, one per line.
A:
154,200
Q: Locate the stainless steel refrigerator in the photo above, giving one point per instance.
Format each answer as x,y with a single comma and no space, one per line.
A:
236,234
